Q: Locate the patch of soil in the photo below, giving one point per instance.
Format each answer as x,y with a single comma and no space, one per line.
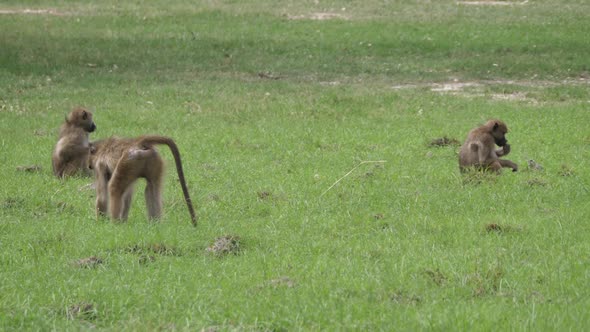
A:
153,248
29,11
89,263
63,207
487,283
90,186
40,132
30,168
228,244
444,141
497,228
515,96
566,170
12,202
452,86
534,166
536,182
318,16
491,3
82,311
476,88
146,259
268,76
263,195
493,228
436,276
282,282
401,297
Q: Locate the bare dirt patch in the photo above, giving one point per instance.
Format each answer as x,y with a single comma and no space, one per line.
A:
436,276
29,168
268,75
452,86
536,182
444,141
499,229
228,244
82,311
29,11
534,166
481,88
566,170
318,16
153,248
12,203
492,3
282,282
403,298
457,86
89,263
515,96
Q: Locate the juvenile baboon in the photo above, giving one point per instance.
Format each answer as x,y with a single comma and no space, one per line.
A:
119,162
72,150
479,151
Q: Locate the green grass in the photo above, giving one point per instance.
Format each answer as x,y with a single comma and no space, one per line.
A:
405,244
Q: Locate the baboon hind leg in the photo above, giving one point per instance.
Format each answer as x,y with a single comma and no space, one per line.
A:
102,192
153,198
118,187
127,197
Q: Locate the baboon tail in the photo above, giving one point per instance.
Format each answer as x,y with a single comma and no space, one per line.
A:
148,141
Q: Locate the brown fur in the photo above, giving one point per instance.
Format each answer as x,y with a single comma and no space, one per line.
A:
119,162
479,150
70,156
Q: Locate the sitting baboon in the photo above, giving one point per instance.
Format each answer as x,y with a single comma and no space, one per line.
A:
119,162
70,156
479,151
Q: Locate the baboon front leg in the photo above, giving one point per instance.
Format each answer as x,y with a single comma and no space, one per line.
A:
153,199
508,164
496,166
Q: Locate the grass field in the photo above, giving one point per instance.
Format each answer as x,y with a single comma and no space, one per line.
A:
305,129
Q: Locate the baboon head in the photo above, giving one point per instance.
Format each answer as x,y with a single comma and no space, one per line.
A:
82,118
498,130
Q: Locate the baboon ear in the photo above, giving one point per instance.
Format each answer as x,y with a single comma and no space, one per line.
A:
495,125
84,115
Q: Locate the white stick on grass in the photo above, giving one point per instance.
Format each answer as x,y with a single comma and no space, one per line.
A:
352,170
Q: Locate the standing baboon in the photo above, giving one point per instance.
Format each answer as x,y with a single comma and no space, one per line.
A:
72,150
479,151
119,162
